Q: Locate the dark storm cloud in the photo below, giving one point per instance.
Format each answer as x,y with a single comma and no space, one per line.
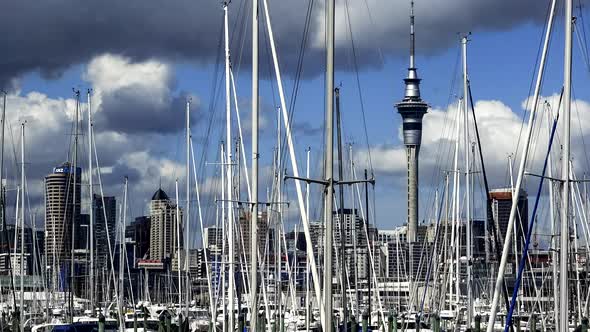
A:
118,174
130,110
50,36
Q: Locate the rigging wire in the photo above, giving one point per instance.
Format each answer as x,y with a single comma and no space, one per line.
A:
358,84
298,74
532,82
214,96
216,82
374,26
300,58
443,149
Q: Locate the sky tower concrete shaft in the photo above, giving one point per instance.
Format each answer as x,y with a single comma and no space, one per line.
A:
412,109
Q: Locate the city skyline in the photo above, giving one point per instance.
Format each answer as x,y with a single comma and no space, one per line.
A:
154,88
272,165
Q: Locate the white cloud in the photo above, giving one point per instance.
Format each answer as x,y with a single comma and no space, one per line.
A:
500,131
109,72
135,97
49,124
498,126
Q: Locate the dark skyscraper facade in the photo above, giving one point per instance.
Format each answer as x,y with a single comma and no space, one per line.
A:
81,241
139,233
500,215
105,216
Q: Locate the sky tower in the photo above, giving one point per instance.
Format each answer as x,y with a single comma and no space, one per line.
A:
412,109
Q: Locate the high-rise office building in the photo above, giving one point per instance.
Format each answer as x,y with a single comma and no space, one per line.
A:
499,215
197,266
316,232
81,241
163,235
62,208
105,217
355,239
214,238
139,233
403,256
354,231
264,233
31,245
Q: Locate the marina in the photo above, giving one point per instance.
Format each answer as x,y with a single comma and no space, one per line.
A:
247,229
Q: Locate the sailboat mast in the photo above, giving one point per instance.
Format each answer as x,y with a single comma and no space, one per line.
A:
74,172
2,153
307,261
188,207
565,186
91,197
121,257
294,167
523,162
279,225
254,191
553,222
341,202
467,189
228,161
370,247
3,196
22,226
329,165
456,192
224,231
178,250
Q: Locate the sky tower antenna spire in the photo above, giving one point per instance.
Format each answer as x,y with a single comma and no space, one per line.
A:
412,36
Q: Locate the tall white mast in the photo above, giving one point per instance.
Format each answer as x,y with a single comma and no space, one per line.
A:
254,214
122,253
553,220
74,171
187,208
178,250
223,226
521,169
22,226
469,283
207,266
308,153
2,198
295,168
565,169
278,260
2,158
228,161
307,262
90,192
456,191
514,230
329,165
